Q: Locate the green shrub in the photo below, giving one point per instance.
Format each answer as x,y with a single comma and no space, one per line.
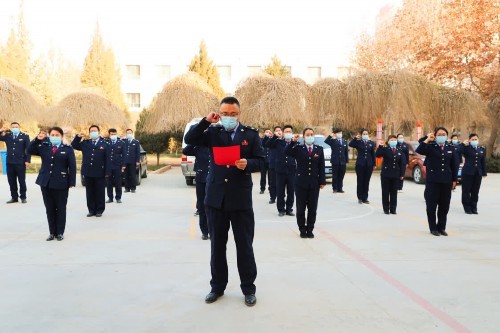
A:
493,164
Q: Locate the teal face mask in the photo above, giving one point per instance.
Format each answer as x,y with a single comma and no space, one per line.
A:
55,140
393,144
114,137
474,143
288,136
365,137
309,140
440,139
339,135
229,123
454,141
16,131
94,135
130,136
401,140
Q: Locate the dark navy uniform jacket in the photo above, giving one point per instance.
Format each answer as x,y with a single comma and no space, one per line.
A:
95,158
284,164
475,160
272,152
340,151
405,149
228,187
441,165
132,151
394,164
117,151
366,152
58,170
17,149
310,168
202,162
266,150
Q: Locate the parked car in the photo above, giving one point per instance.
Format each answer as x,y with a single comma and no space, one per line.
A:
416,168
319,140
187,162
141,171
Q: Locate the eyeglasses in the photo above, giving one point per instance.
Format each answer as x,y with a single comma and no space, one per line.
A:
233,114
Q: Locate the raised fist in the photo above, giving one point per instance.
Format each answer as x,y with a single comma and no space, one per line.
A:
213,117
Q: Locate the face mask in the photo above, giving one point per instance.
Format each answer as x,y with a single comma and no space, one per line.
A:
288,136
393,144
474,143
365,137
309,140
94,135
339,135
114,137
401,140
440,139
228,123
130,136
55,140
454,141
16,131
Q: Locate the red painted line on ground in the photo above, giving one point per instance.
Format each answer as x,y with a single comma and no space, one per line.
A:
419,300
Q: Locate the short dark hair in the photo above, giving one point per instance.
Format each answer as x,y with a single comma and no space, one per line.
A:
287,126
440,128
363,130
94,126
337,130
307,129
397,135
129,129
112,130
454,135
230,100
276,127
57,129
473,135
14,123
392,136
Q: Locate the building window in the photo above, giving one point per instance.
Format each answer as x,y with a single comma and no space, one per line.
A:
134,100
224,73
254,70
163,72
133,72
313,73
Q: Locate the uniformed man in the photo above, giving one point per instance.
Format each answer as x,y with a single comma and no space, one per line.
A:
202,167
272,164
473,171
365,163
393,170
441,178
17,160
405,149
132,158
95,168
264,174
285,171
114,181
56,176
228,200
339,159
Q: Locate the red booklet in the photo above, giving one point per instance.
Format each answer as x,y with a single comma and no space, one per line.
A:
226,155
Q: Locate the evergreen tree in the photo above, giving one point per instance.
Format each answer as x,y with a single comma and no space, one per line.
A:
276,69
204,66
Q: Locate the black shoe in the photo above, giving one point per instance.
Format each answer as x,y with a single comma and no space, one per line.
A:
212,297
366,202
50,238
303,234
12,201
442,232
335,191
393,212
310,234
90,214
435,233
272,201
261,192
360,202
474,212
290,214
127,191
60,237
98,215
133,191
386,212
250,300
468,212
280,214
109,201
118,200
24,201
341,191
197,213
204,237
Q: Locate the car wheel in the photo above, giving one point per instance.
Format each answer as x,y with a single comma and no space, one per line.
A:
189,181
145,173
138,177
418,176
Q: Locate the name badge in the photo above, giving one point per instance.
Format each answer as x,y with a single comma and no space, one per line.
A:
63,152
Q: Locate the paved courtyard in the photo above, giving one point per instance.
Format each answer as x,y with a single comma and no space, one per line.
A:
142,267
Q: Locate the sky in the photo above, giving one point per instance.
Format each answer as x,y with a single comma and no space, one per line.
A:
321,31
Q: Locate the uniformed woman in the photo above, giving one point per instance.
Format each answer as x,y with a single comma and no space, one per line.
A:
365,163
393,170
473,171
309,179
442,171
56,176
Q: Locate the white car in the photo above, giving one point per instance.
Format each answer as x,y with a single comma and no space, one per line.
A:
187,163
319,140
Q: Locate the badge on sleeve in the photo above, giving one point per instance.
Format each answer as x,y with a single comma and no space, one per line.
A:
244,143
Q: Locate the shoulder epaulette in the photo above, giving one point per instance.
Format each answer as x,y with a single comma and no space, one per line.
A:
251,128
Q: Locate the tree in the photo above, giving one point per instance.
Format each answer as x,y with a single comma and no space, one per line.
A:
276,69
204,66
100,71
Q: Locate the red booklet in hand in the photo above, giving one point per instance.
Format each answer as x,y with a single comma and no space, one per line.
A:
226,155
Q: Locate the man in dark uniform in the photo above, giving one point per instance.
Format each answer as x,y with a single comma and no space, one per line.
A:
264,173
117,149
17,160
95,168
272,164
228,200
473,171
202,167
339,159
285,171
132,158
365,164
405,150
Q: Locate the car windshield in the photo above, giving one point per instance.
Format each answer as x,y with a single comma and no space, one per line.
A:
318,140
